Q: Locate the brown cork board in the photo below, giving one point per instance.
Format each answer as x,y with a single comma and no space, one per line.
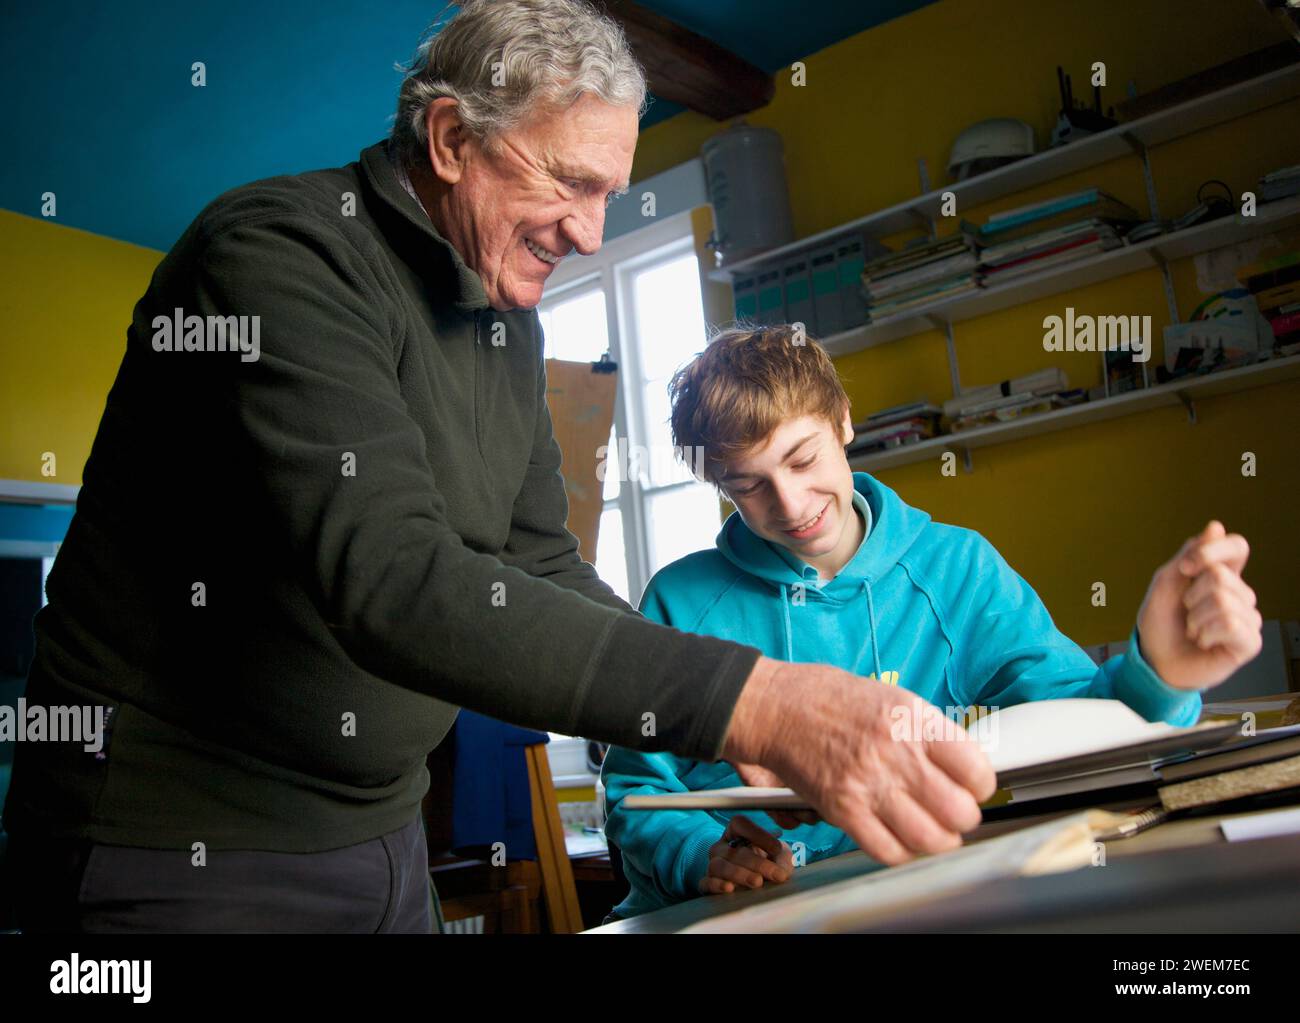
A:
582,410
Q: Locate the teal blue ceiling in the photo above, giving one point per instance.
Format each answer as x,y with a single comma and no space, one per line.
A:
98,107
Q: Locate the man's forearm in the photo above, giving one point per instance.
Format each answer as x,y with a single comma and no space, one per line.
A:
581,577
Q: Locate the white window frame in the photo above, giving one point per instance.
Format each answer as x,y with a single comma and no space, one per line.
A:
611,269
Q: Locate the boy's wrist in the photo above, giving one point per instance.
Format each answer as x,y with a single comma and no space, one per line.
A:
1140,686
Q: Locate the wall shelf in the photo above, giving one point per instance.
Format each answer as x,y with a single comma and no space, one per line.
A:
1129,138
28,492
1134,138
1102,266
1180,393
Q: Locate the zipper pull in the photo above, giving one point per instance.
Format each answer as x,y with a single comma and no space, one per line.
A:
102,752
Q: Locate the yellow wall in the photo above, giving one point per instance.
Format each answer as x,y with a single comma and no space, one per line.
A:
1112,500
65,304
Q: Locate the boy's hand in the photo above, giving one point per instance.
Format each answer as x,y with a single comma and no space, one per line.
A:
1198,623
746,856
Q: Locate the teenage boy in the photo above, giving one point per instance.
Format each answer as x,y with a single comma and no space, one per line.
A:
822,564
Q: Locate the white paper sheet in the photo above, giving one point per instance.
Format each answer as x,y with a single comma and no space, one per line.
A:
1262,825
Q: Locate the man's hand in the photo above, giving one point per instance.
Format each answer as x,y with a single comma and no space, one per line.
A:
1198,623
876,761
746,855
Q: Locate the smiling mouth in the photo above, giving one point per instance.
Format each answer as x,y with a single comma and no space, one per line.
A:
545,256
811,524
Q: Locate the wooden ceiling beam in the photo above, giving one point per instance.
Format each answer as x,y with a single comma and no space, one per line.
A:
688,69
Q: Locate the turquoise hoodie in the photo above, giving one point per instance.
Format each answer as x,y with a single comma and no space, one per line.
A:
935,604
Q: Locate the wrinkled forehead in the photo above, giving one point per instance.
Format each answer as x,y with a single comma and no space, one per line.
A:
589,140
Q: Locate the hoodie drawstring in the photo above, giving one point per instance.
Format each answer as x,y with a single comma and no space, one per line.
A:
785,614
871,628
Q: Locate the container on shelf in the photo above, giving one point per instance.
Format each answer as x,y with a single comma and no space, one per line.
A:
744,169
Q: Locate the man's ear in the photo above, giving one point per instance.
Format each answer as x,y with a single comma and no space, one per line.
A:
846,426
448,140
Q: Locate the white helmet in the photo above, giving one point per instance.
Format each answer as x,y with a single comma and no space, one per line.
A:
989,144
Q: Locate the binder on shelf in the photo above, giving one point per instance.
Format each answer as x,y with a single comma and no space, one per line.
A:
796,286
745,297
849,261
827,307
771,301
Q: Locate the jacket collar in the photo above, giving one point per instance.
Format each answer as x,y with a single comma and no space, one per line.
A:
445,265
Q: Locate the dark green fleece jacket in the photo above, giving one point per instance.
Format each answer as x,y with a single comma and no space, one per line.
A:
290,564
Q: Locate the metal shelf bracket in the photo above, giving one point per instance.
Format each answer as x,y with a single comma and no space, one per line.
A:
966,462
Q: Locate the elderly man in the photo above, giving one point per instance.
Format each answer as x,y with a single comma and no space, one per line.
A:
293,561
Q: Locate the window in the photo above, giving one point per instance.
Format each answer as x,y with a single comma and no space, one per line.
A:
639,299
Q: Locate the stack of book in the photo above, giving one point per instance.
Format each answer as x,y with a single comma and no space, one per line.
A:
1010,399
1275,284
893,427
919,275
1233,770
1280,184
1032,238
1071,773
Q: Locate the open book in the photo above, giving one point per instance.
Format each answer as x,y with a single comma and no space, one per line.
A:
1027,744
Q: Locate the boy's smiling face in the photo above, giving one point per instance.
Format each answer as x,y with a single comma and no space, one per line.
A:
796,489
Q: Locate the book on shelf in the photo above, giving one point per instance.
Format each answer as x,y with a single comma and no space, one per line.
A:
1286,326
892,435
1042,208
897,412
922,295
1275,298
1051,214
1068,252
1280,184
1283,173
916,255
1008,409
1090,229
1275,272
1042,381
949,266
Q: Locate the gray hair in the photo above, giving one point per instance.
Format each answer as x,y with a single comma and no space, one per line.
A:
546,52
